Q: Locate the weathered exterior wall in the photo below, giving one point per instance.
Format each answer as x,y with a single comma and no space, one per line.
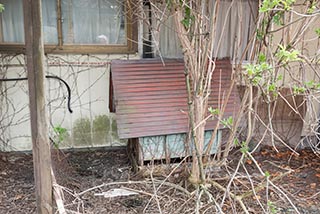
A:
302,32
90,124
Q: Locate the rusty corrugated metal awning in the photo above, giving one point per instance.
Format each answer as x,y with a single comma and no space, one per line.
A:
151,98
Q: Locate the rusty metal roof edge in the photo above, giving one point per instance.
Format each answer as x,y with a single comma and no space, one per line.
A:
163,60
147,60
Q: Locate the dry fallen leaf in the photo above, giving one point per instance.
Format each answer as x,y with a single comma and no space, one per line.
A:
313,185
249,161
256,197
17,197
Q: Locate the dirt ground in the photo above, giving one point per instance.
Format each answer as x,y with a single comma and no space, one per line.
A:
84,175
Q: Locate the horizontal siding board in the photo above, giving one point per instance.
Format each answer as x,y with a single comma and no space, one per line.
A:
150,73
150,93
151,70
151,99
137,116
134,133
145,122
166,84
150,107
140,65
150,81
155,124
136,111
144,77
132,119
153,93
153,89
147,62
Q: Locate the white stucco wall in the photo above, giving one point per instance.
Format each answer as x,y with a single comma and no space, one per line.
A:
90,124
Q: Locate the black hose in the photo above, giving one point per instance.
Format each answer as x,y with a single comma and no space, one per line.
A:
49,77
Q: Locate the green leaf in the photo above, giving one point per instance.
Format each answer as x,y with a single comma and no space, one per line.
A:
272,87
318,32
169,3
267,174
227,122
287,56
310,84
186,23
277,18
61,133
214,111
244,147
287,4
269,5
1,8
236,142
255,71
272,207
312,8
299,90
262,58
188,18
260,34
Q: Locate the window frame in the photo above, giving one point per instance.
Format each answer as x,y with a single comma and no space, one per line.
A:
60,48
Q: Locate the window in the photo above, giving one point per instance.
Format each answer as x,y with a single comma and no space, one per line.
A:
11,22
71,26
235,26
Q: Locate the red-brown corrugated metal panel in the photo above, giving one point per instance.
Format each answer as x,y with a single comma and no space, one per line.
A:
151,97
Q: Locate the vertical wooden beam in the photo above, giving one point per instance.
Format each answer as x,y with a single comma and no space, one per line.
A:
140,30
59,23
38,110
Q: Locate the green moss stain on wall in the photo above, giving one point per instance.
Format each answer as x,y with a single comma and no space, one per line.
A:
101,130
114,128
114,133
82,132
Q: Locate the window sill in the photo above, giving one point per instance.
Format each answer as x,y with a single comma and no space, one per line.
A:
72,49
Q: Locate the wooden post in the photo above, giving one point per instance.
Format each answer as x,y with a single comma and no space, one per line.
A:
38,110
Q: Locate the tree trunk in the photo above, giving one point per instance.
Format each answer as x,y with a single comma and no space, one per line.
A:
198,128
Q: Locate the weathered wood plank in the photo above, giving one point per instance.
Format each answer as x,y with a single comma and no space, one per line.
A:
38,112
